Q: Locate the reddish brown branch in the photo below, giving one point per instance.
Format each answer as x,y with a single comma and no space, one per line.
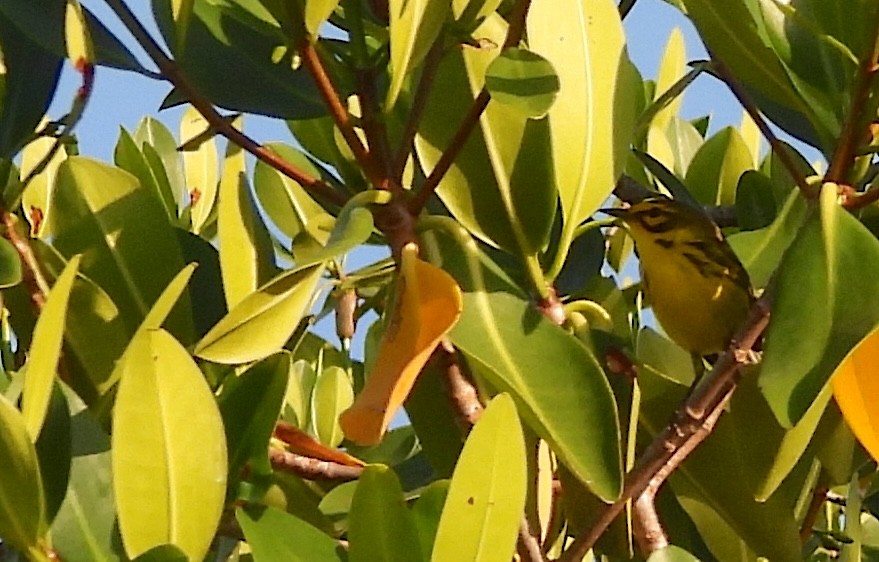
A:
32,276
514,34
462,392
528,544
339,112
778,147
172,73
851,134
687,429
818,498
312,469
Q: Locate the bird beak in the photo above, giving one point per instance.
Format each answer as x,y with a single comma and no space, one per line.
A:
615,212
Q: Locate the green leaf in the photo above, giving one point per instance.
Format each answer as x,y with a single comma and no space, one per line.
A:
181,11
36,198
760,251
434,419
54,451
671,70
671,553
30,77
684,141
285,201
414,26
10,265
332,395
815,320
592,119
820,66
247,260
480,520
275,535
317,12
226,40
264,320
85,527
132,252
572,407
755,202
426,514
507,342
714,172
166,424
381,528
46,350
524,80
250,405
731,34
199,165
43,24
22,509
151,132
128,156
352,228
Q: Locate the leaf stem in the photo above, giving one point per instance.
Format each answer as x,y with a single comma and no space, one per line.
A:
172,73
852,130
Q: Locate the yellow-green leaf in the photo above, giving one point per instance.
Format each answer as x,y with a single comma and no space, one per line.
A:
486,497
332,395
592,119
76,34
264,320
200,166
168,449
22,513
45,351
415,24
181,11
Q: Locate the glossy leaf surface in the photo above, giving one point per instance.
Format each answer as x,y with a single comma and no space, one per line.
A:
486,496
166,423
273,534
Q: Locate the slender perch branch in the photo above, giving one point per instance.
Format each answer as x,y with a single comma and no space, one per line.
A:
688,424
312,469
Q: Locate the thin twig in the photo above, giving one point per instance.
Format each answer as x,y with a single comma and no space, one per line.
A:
312,469
172,73
819,496
844,154
778,147
32,276
689,420
339,113
528,544
514,34
648,529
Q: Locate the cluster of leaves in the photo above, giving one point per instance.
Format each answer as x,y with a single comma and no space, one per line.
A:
153,398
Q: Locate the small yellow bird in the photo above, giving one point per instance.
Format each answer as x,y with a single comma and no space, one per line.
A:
699,290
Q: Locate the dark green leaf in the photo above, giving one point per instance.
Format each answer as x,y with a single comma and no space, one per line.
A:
381,527
250,405
815,320
31,75
220,44
54,451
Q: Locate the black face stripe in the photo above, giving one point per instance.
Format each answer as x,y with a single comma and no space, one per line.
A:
665,243
703,266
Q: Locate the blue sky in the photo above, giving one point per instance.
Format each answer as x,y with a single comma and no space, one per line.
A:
122,99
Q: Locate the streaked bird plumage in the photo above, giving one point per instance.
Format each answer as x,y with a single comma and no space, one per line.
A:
698,288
